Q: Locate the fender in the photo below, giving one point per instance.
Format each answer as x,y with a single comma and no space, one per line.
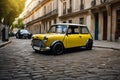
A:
89,41
55,43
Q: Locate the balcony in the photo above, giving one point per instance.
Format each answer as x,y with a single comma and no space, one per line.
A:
48,15
54,12
99,2
103,1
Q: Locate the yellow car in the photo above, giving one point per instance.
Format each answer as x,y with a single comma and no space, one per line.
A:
61,36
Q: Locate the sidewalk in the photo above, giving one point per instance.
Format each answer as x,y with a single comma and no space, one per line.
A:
107,44
2,44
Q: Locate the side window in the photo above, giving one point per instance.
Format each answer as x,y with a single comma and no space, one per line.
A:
73,30
52,30
69,31
84,30
76,30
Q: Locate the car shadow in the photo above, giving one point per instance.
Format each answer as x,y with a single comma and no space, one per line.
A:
74,50
66,51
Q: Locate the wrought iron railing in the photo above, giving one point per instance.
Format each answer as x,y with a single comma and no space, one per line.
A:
99,2
55,11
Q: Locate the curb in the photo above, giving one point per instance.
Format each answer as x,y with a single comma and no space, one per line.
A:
106,47
5,43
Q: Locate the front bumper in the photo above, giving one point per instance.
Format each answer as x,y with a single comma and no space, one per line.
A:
40,48
39,45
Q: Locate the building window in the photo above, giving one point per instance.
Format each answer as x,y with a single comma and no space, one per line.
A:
70,21
70,3
70,8
50,7
44,9
93,3
55,21
64,7
82,4
81,21
48,27
64,21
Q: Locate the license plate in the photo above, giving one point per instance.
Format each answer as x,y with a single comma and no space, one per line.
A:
37,48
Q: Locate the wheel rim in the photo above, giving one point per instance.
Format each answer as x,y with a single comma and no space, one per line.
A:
58,49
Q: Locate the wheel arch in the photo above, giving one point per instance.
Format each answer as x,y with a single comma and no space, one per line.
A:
89,44
89,40
57,41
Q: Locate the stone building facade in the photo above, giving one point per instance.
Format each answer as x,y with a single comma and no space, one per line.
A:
42,16
105,16
101,16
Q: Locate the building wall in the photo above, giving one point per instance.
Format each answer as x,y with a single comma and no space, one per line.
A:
48,12
110,8
41,15
115,8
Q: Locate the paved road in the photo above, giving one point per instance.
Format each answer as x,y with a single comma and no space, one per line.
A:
19,62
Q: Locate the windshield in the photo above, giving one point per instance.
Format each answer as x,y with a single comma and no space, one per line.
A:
24,31
61,29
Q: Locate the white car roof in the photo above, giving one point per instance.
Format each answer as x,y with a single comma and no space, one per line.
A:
72,24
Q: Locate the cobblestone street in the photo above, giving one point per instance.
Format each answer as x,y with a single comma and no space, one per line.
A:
18,61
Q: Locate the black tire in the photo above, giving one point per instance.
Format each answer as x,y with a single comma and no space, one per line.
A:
36,51
89,45
16,35
57,48
29,37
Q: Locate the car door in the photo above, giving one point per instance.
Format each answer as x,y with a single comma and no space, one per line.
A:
85,35
73,37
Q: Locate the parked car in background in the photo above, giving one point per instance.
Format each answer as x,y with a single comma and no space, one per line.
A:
11,34
62,36
22,33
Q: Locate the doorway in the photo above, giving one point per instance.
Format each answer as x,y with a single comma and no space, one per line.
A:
117,33
96,26
105,25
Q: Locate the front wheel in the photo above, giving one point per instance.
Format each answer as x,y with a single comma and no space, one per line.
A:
57,48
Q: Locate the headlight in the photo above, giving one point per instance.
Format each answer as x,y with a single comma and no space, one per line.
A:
45,39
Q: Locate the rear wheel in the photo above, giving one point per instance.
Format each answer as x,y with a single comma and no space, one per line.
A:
89,44
57,48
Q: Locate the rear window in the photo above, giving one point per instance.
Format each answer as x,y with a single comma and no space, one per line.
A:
24,31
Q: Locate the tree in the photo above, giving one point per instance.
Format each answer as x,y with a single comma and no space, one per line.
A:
20,23
10,9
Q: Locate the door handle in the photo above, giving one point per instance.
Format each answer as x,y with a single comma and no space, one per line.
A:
80,36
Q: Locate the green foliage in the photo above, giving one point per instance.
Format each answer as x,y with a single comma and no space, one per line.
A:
20,23
10,9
